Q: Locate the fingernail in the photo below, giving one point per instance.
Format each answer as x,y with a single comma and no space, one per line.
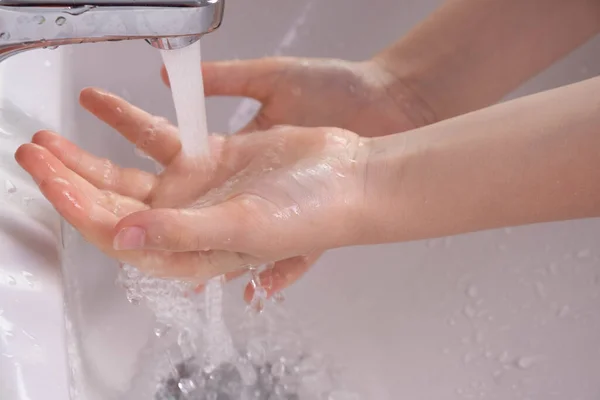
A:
130,239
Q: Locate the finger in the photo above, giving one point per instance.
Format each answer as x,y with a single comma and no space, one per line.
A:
152,135
247,78
43,166
259,123
251,126
73,201
101,173
228,277
283,274
220,227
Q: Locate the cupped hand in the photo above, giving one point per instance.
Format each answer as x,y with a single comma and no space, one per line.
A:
363,97
283,195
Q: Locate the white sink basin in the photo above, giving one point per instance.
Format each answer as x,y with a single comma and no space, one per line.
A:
33,357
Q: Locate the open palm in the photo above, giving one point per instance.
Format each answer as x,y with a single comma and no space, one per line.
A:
363,97
257,198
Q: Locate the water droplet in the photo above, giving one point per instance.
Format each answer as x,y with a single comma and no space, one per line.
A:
502,247
469,311
296,91
258,300
540,290
451,321
448,242
503,357
431,243
11,280
29,278
278,369
186,385
479,337
508,231
80,9
563,311
47,63
10,187
468,358
309,365
39,19
133,298
247,373
125,94
553,269
472,291
278,297
585,253
4,36
525,362
161,330
60,21
256,353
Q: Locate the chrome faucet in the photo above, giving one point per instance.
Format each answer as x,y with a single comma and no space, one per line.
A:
165,24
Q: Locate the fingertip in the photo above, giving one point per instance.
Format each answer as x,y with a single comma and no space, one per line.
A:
144,219
165,76
44,137
199,288
21,153
26,152
248,293
89,93
129,221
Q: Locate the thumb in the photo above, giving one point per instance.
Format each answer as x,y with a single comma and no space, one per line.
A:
244,78
216,227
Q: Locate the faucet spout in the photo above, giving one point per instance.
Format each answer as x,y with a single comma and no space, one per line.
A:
166,24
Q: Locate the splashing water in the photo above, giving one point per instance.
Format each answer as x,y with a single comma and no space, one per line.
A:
174,303
187,87
265,358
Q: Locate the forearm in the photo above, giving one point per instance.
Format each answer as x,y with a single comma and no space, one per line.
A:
531,160
470,53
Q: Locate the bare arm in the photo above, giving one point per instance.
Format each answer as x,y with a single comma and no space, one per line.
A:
470,53
531,160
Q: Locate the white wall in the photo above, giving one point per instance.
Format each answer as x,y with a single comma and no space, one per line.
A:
509,314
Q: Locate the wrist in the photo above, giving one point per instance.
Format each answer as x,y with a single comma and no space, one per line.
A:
384,215
402,86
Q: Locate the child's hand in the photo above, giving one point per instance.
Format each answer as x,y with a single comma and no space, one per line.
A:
362,97
284,194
